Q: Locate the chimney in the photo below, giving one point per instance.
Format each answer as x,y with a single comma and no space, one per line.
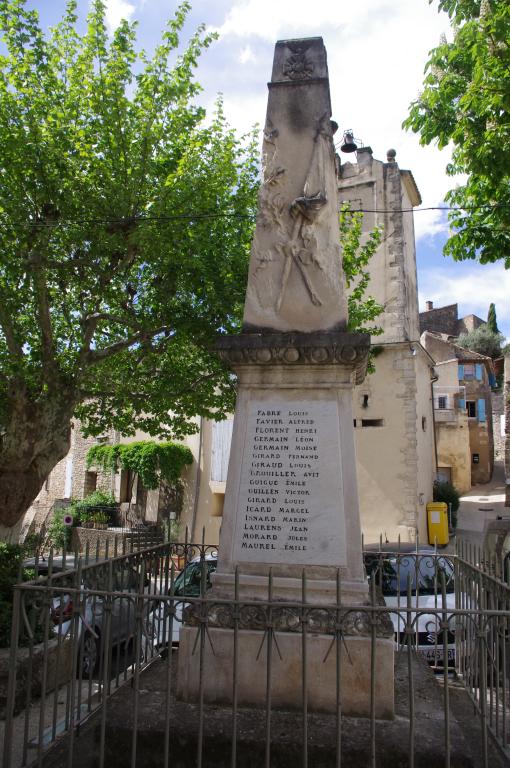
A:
429,305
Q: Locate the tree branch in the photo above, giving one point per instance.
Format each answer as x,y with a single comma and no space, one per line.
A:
44,317
97,356
15,349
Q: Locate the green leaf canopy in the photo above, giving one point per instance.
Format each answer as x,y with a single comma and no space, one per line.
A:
466,102
125,224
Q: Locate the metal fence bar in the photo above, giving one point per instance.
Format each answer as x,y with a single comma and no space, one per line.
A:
138,651
11,684
480,619
338,669
107,609
78,604
373,661
446,691
235,670
410,680
304,667
269,668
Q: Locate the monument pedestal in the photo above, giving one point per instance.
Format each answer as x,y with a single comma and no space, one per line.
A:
354,672
291,510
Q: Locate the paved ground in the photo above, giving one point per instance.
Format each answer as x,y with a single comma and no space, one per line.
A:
392,737
482,503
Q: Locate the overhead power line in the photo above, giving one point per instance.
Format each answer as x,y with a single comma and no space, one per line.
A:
196,216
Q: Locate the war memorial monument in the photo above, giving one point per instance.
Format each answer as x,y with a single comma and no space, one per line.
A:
291,503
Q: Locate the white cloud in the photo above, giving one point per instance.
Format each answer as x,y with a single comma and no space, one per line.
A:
472,286
376,50
116,10
246,55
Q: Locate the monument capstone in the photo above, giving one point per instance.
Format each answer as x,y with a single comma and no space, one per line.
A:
291,502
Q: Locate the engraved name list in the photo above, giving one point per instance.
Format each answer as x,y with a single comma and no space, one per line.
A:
290,493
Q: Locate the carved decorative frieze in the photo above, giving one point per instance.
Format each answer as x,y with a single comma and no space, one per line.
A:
334,348
355,622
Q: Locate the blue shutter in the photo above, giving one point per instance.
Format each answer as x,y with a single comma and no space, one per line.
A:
478,371
462,404
461,372
481,410
492,380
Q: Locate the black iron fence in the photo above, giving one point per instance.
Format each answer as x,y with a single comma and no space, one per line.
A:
94,664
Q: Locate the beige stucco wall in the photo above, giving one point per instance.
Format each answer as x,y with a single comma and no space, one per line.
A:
396,462
201,514
395,466
452,436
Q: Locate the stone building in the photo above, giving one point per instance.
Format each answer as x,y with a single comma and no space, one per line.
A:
198,506
463,412
446,320
393,408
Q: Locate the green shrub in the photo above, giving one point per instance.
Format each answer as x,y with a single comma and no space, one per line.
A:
444,491
59,535
96,507
11,559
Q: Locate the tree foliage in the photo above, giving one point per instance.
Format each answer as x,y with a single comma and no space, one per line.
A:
446,492
363,309
492,322
152,462
125,223
466,102
482,340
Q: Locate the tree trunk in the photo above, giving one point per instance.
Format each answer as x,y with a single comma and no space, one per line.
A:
36,438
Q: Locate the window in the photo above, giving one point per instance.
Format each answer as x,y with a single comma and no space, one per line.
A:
471,409
90,484
372,422
221,442
442,402
469,371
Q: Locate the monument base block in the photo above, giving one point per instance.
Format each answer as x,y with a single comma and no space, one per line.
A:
287,671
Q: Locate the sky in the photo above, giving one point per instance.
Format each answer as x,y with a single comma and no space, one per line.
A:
377,50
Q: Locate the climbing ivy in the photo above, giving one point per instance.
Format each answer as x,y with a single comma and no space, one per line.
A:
153,462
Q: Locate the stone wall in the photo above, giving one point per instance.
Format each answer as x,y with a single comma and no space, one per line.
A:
57,663
440,320
68,479
497,412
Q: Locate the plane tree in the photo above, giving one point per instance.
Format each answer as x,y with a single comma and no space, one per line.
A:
465,103
125,223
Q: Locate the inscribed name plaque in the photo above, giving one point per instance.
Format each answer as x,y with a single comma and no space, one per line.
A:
290,496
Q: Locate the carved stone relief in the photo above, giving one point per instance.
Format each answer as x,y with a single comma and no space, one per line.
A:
297,66
295,220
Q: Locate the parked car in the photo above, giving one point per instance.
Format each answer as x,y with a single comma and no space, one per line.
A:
91,624
187,584
399,568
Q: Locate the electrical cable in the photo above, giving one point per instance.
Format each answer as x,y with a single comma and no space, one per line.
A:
126,221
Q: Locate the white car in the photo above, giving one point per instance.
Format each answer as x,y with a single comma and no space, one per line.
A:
187,584
419,572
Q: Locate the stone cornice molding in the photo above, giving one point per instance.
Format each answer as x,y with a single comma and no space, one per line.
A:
349,350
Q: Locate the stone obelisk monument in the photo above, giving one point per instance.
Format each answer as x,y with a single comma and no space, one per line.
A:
291,502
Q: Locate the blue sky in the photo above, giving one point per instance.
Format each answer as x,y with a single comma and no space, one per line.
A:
377,50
